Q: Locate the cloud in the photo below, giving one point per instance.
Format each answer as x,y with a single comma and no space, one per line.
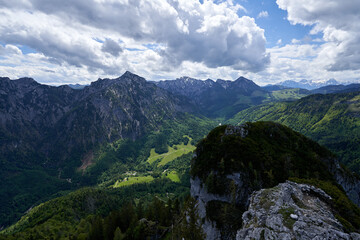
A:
338,21
263,14
112,47
9,50
87,33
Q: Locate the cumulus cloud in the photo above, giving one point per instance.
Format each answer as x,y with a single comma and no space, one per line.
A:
111,35
338,21
9,50
263,14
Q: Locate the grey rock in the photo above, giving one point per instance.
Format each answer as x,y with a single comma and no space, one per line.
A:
291,211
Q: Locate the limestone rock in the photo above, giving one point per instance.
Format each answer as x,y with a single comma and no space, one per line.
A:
291,211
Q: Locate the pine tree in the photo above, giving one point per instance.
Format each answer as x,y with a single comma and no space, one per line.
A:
118,235
189,227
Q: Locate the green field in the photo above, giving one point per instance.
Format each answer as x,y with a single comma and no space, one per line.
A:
173,153
133,180
289,94
173,176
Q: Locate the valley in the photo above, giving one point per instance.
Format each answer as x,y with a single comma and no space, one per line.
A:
129,141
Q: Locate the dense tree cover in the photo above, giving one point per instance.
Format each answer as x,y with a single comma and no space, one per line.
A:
111,162
269,154
153,209
332,120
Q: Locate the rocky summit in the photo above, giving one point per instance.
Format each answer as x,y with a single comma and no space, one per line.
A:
291,211
240,178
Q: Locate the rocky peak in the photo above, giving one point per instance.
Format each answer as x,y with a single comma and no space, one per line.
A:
26,80
224,83
291,211
132,77
234,161
245,85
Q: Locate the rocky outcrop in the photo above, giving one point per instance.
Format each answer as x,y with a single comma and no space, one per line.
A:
234,161
291,211
347,180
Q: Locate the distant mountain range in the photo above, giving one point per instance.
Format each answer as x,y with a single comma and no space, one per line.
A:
337,89
307,84
77,86
217,98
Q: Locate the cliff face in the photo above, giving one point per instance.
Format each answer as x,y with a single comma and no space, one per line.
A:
238,178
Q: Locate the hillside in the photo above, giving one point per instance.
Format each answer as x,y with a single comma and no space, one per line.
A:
332,120
234,161
337,89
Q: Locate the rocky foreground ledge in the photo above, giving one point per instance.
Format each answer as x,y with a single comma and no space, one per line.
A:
291,211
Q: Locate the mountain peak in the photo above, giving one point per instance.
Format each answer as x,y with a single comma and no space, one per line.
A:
26,80
131,76
241,78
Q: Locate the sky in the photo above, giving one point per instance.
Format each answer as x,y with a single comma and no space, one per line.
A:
78,41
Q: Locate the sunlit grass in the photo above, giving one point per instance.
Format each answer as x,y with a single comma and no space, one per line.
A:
173,153
133,180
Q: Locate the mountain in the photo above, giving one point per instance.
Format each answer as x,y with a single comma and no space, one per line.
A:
50,135
271,88
332,120
217,98
337,89
77,86
307,84
234,161
35,116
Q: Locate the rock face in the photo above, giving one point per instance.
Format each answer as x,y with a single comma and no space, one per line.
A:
348,181
199,192
291,211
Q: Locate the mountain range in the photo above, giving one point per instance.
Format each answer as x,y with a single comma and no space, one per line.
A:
307,84
217,98
75,159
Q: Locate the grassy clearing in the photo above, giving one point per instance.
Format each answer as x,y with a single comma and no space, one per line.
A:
133,180
173,176
173,153
285,94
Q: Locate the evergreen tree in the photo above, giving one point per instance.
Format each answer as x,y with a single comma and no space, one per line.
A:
189,227
118,235
96,230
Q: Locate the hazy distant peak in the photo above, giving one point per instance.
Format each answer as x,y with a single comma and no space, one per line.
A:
308,84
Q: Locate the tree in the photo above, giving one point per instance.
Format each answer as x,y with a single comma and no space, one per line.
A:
189,227
118,235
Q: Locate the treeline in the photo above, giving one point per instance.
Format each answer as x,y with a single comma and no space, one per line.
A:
158,219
